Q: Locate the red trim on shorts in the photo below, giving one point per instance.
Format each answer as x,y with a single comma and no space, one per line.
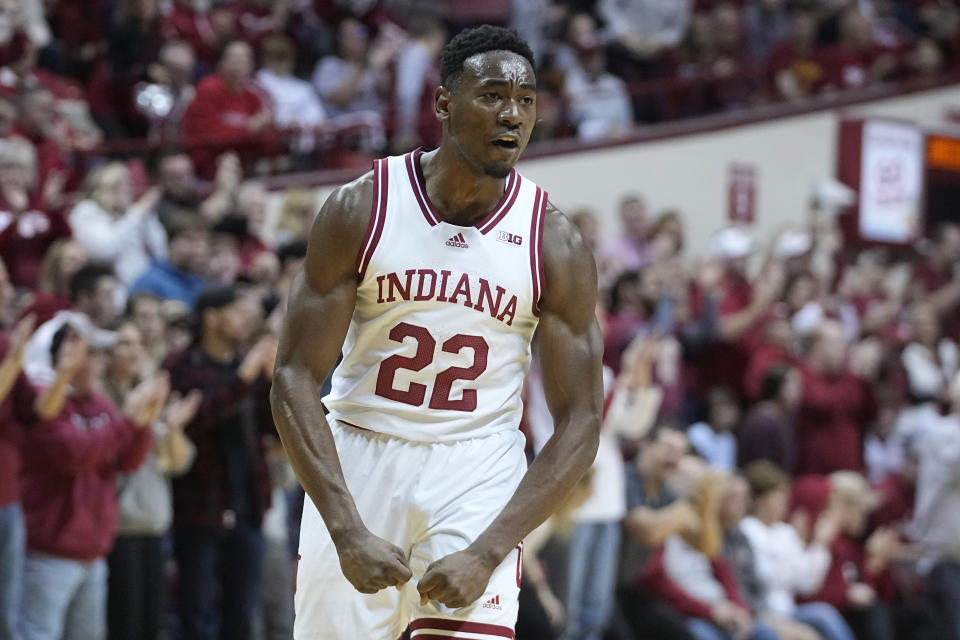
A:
536,247
378,214
445,624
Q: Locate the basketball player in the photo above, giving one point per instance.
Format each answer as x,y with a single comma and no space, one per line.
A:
432,273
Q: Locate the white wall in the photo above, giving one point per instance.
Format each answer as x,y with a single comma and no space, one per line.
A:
690,173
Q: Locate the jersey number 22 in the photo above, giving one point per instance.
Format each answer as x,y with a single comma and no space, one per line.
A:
426,350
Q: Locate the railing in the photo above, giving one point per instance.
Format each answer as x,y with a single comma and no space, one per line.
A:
342,147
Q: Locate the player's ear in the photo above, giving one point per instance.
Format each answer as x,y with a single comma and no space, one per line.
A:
441,103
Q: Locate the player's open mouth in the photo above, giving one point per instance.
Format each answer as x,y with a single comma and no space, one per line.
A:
507,142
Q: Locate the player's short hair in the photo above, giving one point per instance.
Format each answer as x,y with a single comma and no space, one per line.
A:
470,42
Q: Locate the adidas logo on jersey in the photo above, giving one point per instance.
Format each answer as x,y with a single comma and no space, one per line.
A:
458,241
493,603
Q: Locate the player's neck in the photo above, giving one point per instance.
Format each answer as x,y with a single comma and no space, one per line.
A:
460,194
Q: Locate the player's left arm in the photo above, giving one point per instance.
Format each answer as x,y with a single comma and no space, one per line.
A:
571,347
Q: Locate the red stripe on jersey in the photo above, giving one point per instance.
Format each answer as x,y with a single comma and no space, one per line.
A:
536,247
419,185
538,238
374,212
419,188
503,207
443,624
378,214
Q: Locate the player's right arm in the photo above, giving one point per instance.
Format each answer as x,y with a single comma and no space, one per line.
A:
320,307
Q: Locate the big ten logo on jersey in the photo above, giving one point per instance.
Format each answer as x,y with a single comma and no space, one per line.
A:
510,238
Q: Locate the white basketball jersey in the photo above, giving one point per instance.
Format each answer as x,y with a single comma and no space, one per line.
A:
439,344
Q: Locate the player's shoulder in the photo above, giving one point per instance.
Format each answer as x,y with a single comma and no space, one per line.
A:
561,238
349,204
569,268
345,215
339,230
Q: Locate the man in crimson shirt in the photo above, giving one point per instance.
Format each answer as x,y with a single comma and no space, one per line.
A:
69,477
835,409
27,227
743,309
16,408
227,112
21,406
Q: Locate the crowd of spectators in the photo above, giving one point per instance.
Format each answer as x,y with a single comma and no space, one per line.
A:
779,456
301,84
781,440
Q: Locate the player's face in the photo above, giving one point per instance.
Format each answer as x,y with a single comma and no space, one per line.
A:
491,110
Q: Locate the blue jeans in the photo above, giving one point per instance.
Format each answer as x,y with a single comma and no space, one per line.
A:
703,630
63,599
13,538
229,563
944,589
592,556
825,619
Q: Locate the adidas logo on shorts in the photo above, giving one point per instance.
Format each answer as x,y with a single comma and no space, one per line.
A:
458,241
493,603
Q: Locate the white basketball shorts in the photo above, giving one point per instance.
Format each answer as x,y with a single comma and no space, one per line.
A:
431,500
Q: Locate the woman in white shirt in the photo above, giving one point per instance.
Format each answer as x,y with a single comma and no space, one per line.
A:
786,566
114,229
691,575
930,359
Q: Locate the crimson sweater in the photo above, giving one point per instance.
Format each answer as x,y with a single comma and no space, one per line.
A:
849,566
69,477
654,579
217,120
25,238
833,416
16,411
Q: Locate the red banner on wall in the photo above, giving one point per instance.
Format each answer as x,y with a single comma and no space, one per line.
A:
742,193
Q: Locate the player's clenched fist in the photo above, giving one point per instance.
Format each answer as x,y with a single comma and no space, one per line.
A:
455,580
371,563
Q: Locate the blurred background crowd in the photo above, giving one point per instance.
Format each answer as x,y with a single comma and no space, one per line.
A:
781,445
296,84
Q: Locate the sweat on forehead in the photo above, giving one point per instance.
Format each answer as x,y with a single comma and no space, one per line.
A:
499,65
